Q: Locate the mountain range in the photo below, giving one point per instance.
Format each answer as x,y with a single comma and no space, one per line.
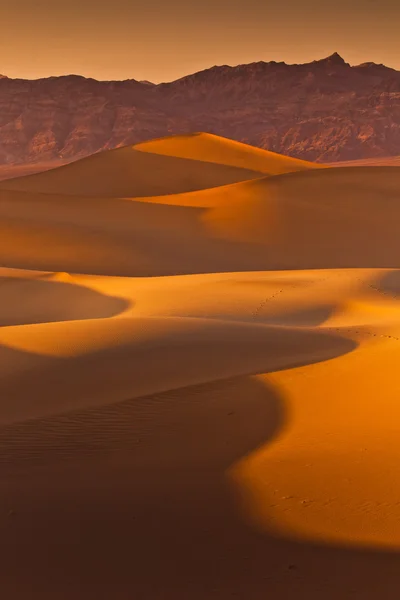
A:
323,111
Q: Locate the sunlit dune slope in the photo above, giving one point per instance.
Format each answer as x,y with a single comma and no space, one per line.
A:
213,148
127,172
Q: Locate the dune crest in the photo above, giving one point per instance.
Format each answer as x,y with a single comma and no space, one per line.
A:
216,149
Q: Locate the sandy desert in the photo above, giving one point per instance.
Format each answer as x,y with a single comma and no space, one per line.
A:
200,344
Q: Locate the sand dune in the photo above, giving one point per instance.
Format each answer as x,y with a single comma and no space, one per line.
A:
198,390
328,218
127,172
167,166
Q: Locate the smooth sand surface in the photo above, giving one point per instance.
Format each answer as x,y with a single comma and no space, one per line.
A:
199,392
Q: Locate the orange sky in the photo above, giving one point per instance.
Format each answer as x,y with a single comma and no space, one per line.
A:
162,40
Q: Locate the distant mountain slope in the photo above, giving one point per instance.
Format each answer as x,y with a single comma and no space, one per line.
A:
322,111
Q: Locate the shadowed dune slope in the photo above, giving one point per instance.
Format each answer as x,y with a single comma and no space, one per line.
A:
213,148
345,217
111,236
127,172
52,298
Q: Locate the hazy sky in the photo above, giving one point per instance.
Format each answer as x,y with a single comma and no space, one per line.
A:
161,40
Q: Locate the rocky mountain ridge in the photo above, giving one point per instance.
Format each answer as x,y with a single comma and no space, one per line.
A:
326,111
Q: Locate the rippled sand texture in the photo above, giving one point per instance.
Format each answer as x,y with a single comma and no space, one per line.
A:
199,390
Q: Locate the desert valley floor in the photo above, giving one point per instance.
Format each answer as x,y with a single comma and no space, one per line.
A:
199,376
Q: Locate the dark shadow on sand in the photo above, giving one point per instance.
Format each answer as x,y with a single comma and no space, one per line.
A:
132,501
29,301
387,284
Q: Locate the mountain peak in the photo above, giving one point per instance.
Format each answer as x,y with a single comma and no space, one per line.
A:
333,59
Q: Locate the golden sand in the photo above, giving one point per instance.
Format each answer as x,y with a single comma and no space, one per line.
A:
199,350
